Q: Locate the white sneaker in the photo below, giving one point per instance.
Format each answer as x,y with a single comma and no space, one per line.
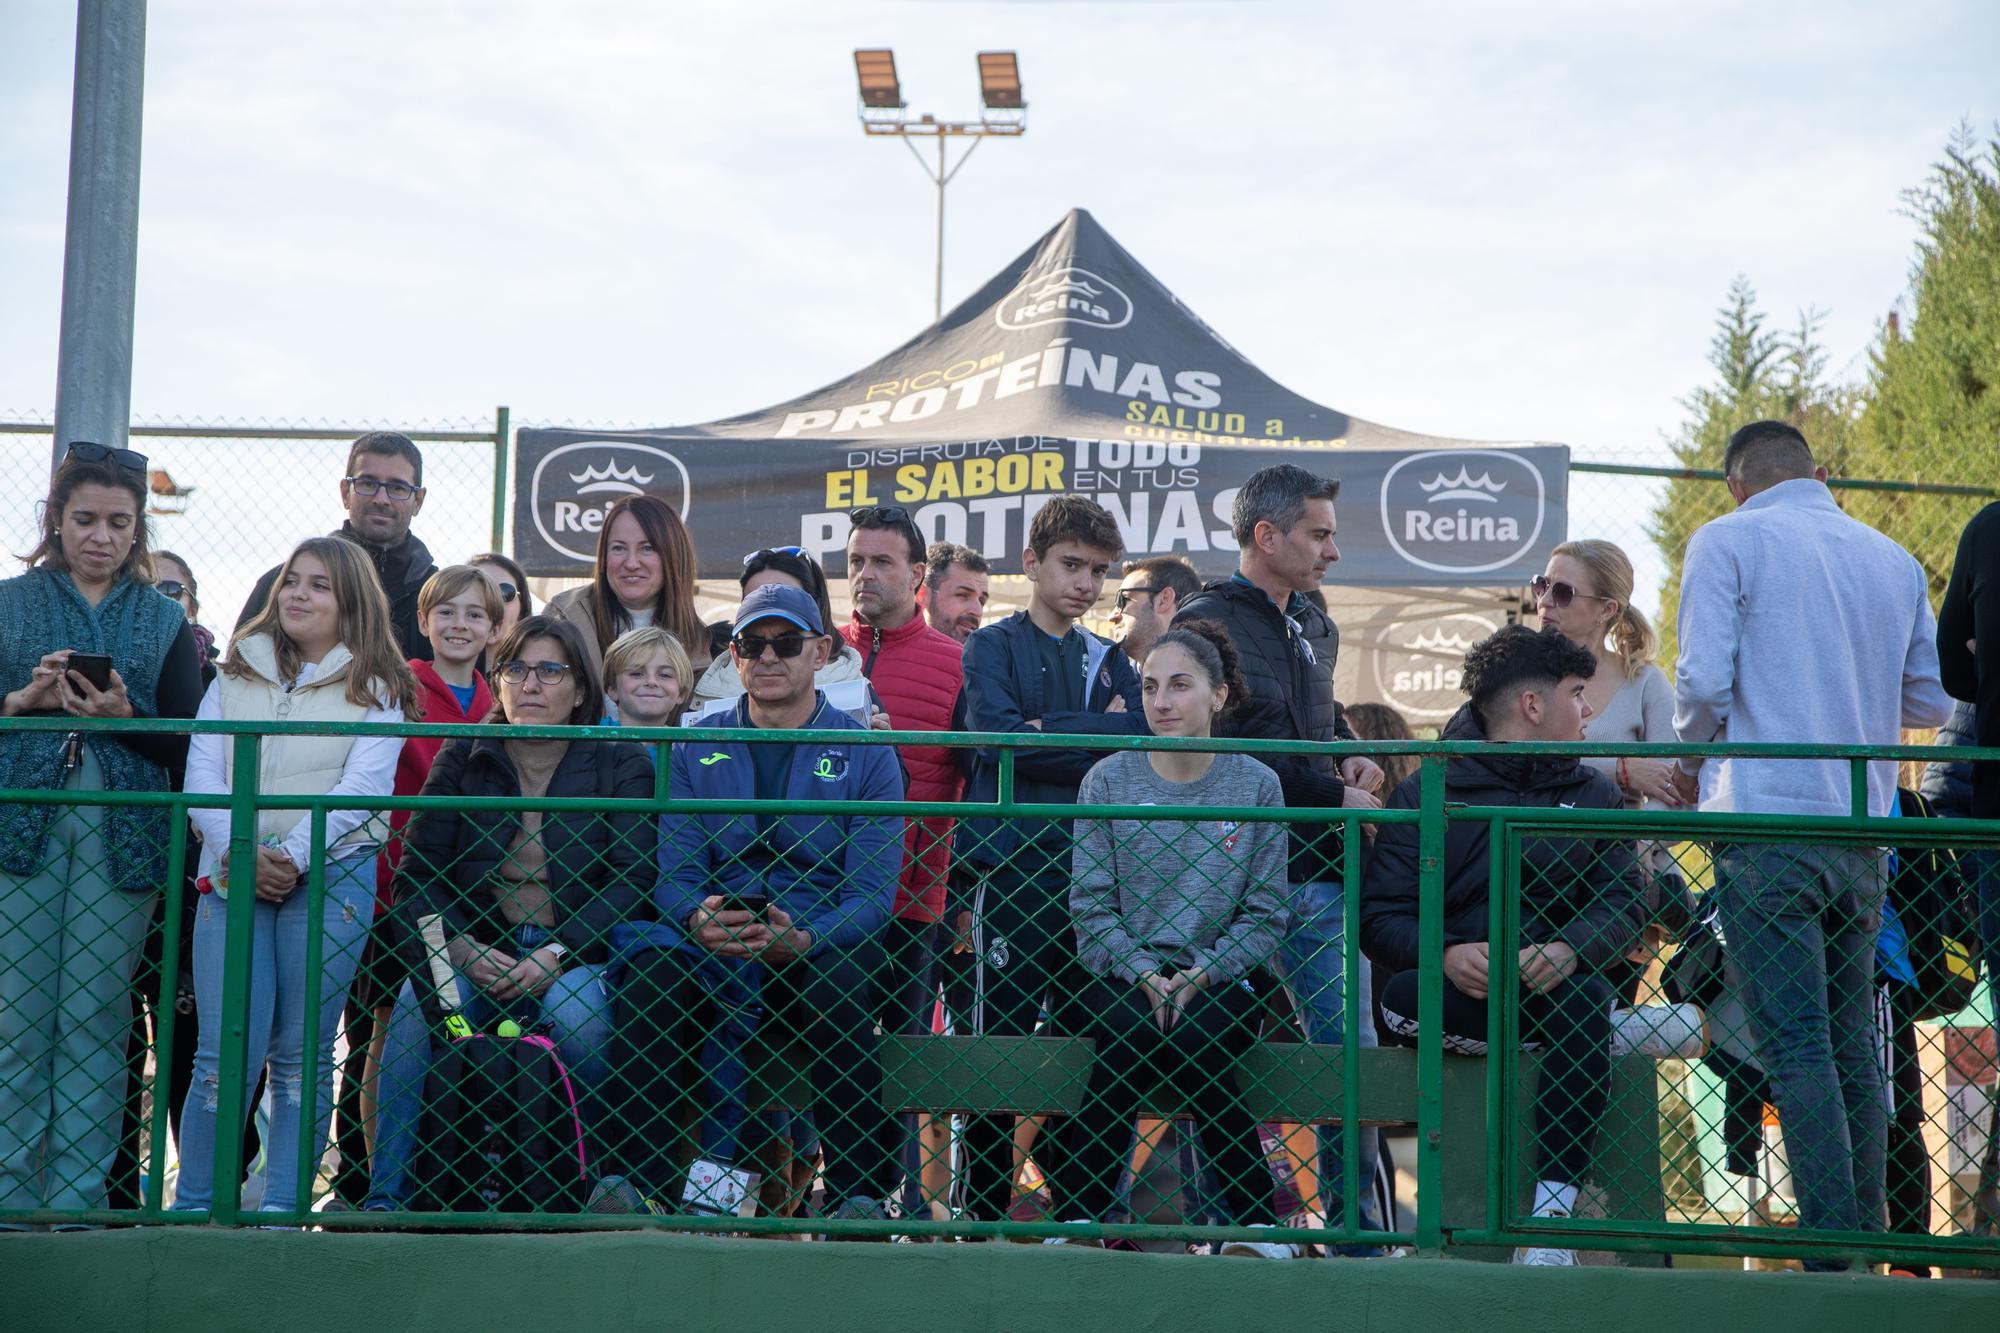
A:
716,1190
1662,1031
1260,1249
1538,1256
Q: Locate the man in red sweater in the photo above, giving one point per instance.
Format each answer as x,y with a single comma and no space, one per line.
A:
916,671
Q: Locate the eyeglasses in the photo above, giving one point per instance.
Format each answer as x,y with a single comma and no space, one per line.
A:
1127,594
508,592
171,587
85,451
795,552
548,673
750,647
369,487
1557,593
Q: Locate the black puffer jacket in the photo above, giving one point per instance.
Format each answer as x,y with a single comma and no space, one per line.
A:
1291,699
403,569
601,866
1582,892
1947,784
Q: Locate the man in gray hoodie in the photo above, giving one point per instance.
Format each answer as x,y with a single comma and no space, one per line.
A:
1799,624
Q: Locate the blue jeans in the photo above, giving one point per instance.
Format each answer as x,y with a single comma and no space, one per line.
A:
1801,923
66,958
1312,962
279,1027
575,1010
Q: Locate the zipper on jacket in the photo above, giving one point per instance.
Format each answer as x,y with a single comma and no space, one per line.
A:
874,650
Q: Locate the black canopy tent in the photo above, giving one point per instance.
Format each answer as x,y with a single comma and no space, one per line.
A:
1072,370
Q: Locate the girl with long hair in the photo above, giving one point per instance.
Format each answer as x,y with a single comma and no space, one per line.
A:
321,650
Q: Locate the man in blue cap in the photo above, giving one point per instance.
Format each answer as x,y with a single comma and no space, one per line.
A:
767,924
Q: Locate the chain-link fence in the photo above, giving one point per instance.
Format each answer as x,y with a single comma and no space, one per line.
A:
650,998
232,500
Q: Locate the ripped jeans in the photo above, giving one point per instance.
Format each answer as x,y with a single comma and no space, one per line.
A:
278,1027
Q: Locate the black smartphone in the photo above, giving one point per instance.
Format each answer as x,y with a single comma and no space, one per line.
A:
93,667
753,903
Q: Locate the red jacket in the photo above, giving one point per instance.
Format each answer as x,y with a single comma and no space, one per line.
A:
435,703
917,672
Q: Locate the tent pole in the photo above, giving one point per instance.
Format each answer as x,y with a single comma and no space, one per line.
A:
937,297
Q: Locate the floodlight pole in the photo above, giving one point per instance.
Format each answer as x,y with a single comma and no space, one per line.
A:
101,240
998,124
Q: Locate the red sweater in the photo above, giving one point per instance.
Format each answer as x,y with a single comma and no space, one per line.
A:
435,703
917,672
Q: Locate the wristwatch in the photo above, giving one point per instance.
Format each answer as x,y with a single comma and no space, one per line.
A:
559,949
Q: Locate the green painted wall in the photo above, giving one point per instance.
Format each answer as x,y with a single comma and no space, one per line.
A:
199,1280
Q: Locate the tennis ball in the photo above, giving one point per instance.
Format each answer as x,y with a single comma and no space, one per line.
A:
508,1028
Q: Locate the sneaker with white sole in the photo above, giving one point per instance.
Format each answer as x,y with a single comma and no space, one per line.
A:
1082,1242
1541,1256
1661,1031
1260,1249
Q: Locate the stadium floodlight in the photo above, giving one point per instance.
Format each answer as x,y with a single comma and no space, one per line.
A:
875,67
883,112
1000,81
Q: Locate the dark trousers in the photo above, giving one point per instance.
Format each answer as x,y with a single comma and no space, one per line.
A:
823,1005
1023,964
1909,1189
1571,1024
1193,1065
906,990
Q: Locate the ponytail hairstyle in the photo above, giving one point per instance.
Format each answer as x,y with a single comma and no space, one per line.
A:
1630,633
1207,642
378,674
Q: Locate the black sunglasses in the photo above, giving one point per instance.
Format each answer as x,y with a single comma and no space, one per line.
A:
1557,593
171,587
508,592
86,451
750,647
1127,594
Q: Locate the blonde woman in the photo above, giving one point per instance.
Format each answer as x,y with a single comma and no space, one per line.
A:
321,650
1586,595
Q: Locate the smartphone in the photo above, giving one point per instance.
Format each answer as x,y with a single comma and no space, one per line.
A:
93,667
753,903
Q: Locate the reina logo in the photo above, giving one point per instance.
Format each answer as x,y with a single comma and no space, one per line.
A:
573,485
1463,511
1418,666
1064,296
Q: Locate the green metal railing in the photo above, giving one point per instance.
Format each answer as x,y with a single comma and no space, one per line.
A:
1440,1131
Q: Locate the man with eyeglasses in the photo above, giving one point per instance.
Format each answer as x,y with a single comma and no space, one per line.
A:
383,489
767,923
1153,591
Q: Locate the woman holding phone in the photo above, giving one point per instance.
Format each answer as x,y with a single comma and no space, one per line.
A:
86,636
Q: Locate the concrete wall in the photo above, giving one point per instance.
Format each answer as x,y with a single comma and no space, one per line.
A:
166,1280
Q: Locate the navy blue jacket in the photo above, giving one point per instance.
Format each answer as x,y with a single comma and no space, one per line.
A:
1003,693
835,876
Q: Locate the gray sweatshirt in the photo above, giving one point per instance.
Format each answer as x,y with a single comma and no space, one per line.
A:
1170,894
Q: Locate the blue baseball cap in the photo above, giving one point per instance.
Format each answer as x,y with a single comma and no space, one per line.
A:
782,602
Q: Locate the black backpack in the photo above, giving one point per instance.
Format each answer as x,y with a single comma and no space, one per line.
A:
1934,900
500,1130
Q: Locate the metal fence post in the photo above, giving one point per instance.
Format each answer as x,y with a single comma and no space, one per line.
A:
1430,1005
502,428
233,1083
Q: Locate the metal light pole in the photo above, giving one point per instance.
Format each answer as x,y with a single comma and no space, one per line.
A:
101,239
882,111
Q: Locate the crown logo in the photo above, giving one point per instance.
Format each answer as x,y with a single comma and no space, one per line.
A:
1439,642
625,481
1464,486
1057,286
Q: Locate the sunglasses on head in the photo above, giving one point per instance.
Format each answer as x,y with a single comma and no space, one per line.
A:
795,552
1557,593
750,647
86,451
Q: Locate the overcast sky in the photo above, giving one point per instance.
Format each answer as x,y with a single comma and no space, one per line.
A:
1448,219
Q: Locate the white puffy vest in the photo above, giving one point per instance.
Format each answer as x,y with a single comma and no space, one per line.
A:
296,765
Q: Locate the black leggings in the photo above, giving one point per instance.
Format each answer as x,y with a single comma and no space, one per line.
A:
1909,1160
1571,1023
1194,1062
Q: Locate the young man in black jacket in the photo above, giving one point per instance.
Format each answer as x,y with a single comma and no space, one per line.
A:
1284,526
1036,670
1580,900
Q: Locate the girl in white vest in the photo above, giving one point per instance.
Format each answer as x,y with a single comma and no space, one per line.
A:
321,650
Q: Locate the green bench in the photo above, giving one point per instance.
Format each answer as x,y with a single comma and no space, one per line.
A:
1282,1082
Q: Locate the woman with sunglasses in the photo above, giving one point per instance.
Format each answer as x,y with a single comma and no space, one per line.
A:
516,603
78,883
528,900
791,567
644,575
1586,594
